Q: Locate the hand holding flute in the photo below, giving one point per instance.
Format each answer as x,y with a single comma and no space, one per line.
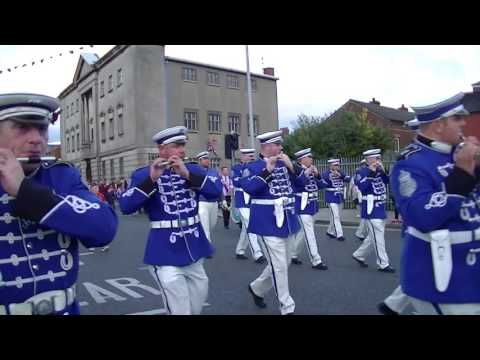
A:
467,154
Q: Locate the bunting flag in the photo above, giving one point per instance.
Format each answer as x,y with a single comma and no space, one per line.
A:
42,60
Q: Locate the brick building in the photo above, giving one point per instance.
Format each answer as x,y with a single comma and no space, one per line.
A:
378,115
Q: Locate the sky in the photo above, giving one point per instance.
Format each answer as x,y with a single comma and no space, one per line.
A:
313,79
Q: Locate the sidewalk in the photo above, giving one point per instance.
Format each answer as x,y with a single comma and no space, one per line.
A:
349,218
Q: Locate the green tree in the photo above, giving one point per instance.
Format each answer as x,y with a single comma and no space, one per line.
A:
344,135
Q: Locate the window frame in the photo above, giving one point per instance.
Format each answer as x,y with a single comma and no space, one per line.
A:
210,131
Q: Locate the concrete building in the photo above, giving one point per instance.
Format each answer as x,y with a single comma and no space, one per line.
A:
115,104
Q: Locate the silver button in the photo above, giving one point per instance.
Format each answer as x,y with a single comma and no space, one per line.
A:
35,267
29,246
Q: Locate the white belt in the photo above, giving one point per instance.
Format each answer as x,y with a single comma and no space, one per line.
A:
310,195
272,201
168,224
334,189
42,304
456,237
380,198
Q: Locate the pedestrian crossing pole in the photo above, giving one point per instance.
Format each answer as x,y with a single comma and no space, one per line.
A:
250,107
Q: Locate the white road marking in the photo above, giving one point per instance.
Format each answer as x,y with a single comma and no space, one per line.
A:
87,253
83,303
150,312
81,263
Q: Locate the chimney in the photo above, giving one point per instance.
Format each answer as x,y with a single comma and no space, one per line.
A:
402,108
269,71
376,102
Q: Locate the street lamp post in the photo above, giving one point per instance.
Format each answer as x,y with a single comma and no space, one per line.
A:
250,107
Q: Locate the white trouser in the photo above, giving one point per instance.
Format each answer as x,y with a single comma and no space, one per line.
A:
278,253
398,300
184,289
375,240
428,308
362,229
208,212
247,239
335,226
306,236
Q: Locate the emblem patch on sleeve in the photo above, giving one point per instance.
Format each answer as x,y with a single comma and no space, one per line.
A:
407,185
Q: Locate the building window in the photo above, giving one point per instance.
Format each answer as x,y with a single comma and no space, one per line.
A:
72,111
191,120
152,156
189,74
68,143
255,125
110,124
78,141
91,137
73,143
112,169
120,119
214,124
77,108
120,167
213,78
119,77
232,82
102,88
104,136
254,84
104,169
396,144
215,162
110,83
67,112
234,123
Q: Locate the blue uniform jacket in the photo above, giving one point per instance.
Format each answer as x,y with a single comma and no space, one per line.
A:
212,173
237,174
266,188
172,198
373,183
313,185
334,186
40,230
431,195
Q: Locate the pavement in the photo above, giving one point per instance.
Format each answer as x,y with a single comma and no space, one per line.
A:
117,282
350,217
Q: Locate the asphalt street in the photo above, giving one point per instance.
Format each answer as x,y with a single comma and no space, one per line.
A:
117,282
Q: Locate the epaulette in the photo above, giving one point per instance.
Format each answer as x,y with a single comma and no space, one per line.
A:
409,150
50,164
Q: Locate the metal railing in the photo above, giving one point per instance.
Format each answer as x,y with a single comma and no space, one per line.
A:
348,165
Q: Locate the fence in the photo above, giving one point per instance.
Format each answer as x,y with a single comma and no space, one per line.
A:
348,166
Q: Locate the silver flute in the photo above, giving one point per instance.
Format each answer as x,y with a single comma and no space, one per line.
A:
162,165
36,159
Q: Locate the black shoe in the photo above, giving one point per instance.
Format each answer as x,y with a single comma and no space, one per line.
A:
341,238
385,310
292,313
387,269
360,238
297,261
320,266
209,257
227,228
261,260
331,236
257,299
361,262
241,257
